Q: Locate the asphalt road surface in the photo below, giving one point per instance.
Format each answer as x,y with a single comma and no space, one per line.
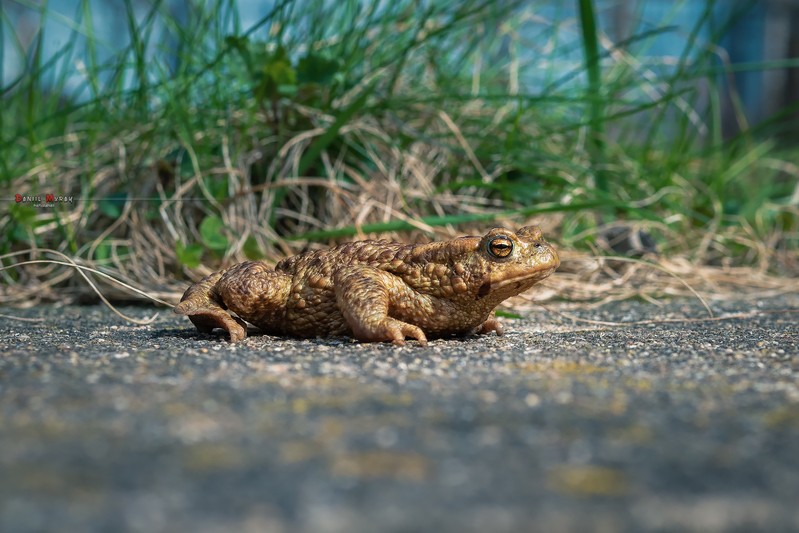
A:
557,426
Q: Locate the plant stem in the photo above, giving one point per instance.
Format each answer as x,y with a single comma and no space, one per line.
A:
596,104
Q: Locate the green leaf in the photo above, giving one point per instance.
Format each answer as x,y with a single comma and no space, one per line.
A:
211,232
24,214
276,77
316,68
237,42
102,252
251,248
218,189
20,233
190,255
287,90
112,205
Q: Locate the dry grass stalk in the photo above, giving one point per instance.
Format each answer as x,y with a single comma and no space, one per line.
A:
165,205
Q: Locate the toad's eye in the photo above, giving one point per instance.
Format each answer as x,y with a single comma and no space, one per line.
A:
500,247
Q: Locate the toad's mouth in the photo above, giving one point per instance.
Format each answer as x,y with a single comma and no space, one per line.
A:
513,285
522,279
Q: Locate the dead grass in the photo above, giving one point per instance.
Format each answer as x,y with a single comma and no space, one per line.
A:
80,249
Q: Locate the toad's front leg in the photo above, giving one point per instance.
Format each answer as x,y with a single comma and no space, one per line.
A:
363,294
251,290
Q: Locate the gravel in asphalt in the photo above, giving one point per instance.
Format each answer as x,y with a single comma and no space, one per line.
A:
556,426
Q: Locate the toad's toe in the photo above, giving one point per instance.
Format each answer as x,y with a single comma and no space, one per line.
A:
399,331
492,324
206,319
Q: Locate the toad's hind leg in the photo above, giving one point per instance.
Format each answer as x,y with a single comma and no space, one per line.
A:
252,290
363,295
205,312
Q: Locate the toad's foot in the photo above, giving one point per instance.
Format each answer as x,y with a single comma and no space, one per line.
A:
492,324
206,314
390,329
362,295
206,319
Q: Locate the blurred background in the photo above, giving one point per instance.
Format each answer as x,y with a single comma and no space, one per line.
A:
750,38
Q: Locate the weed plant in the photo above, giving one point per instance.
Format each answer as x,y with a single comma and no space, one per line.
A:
202,142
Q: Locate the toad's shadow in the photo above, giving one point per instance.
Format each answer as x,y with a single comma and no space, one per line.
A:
219,335
191,333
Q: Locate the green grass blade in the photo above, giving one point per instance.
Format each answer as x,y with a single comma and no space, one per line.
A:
443,220
596,102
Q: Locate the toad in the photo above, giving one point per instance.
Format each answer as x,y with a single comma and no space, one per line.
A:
375,290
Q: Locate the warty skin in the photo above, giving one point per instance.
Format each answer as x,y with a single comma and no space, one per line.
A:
376,290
